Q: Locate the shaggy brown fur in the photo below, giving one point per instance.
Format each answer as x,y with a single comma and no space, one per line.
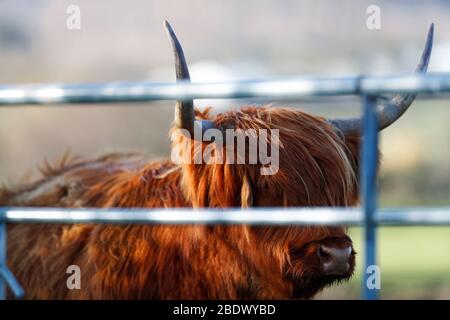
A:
317,168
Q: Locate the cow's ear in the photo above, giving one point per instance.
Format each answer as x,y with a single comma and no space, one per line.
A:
353,144
246,193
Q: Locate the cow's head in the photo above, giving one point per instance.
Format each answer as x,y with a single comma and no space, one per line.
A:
318,166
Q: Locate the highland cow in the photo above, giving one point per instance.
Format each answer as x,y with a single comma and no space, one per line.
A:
319,166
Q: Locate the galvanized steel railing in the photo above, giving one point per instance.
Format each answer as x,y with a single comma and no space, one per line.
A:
294,87
369,88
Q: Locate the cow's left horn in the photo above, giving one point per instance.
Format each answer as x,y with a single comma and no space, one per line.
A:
390,111
184,110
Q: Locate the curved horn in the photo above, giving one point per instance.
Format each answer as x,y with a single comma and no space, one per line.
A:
390,111
184,110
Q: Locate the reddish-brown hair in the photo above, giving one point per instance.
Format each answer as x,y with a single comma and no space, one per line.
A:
318,167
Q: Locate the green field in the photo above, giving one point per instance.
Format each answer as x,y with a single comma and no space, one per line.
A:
414,262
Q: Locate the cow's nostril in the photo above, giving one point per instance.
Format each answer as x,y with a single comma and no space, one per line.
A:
335,261
323,254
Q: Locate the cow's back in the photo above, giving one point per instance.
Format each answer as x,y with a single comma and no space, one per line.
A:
39,254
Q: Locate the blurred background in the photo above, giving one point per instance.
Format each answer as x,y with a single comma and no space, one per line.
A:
230,40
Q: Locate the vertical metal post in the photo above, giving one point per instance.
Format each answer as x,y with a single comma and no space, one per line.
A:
2,259
7,278
369,168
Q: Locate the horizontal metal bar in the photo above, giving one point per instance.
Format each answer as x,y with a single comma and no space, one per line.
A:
147,91
430,83
257,216
413,216
268,88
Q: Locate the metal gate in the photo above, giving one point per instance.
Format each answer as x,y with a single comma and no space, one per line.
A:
369,216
